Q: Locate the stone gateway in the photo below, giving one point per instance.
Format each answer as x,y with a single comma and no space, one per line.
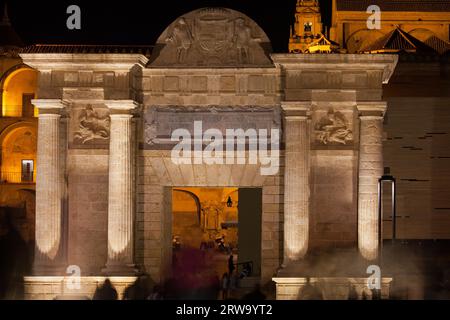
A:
105,174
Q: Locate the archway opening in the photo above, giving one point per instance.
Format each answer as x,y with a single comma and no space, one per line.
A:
19,88
204,228
216,235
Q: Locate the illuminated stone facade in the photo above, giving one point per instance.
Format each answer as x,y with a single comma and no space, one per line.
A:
104,192
118,174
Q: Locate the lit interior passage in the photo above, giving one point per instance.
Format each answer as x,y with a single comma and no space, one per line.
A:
204,223
210,224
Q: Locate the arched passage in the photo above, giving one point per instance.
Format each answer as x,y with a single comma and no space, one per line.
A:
19,88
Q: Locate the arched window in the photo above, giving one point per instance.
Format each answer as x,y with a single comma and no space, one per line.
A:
19,88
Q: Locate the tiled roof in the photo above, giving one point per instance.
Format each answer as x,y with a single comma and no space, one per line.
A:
397,41
438,44
395,5
97,49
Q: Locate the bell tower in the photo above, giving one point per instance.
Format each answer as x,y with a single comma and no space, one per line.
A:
307,36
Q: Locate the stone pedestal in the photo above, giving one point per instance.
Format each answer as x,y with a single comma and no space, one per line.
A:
70,288
327,288
49,190
120,197
370,170
296,190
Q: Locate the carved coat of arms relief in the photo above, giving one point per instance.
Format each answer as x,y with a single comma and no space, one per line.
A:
210,38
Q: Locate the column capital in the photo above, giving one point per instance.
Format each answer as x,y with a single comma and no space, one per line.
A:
121,106
49,106
296,110
372,110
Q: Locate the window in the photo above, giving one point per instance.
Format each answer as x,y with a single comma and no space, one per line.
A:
27,106
27,170
308,26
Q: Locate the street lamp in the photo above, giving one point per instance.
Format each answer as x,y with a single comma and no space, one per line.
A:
386,178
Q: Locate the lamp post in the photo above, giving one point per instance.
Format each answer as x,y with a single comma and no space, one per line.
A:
386,178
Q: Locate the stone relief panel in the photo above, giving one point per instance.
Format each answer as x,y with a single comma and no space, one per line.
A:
160,122
333,127
212,37
90,126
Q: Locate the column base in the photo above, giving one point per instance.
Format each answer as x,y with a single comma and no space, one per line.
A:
61,288
328,288
116,269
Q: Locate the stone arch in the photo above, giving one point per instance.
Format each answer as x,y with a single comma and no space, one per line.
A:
361,39
194,197
186,223
16,82
212,37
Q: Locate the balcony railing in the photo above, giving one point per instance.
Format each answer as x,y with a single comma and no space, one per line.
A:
17,111
17,177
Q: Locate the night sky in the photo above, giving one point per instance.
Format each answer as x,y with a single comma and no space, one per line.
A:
139,21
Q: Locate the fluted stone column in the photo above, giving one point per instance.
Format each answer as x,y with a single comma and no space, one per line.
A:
49,190
296,182
120,197
370,170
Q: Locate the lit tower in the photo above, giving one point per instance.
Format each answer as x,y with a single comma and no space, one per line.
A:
307,36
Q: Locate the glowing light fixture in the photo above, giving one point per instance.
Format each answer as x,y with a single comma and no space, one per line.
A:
229,202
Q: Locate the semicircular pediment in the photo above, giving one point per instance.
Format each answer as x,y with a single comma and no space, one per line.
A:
212,37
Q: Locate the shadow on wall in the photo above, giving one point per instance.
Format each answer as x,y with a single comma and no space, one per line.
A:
418,271
15,258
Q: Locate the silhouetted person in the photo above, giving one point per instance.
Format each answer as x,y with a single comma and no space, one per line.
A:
105,292
234,282
310,292
231,264
225,285
256,294
170,289
139,290
14,259
376,294
156,294
246,270
352,294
